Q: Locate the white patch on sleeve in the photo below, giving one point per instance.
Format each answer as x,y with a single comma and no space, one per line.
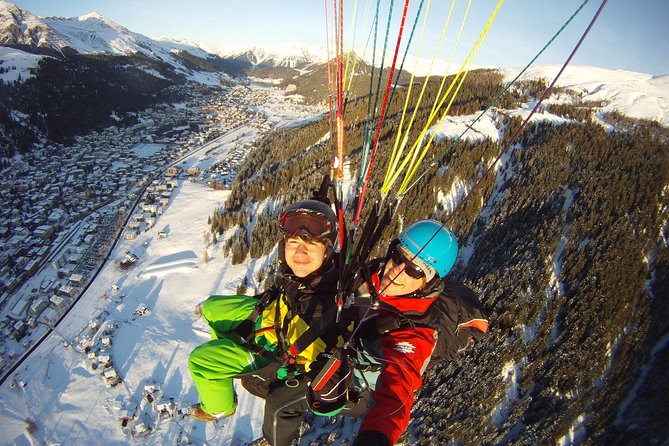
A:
405,347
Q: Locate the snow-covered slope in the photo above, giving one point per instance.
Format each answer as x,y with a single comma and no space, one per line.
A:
638,95
17,63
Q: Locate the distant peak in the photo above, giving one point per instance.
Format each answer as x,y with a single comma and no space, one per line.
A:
97,19
92,15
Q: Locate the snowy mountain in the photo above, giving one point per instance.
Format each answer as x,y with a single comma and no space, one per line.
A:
21,28
88,73
291,56
94,34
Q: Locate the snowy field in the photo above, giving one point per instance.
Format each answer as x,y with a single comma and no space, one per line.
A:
69,401
17,64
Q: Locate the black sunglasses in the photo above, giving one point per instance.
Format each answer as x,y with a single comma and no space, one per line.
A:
412,270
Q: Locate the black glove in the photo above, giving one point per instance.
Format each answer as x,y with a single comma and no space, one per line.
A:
331,378
371,438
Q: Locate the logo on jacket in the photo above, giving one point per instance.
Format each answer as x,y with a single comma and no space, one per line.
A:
405,347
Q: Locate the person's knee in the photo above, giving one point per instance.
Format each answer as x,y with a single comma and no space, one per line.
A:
207,307
195,358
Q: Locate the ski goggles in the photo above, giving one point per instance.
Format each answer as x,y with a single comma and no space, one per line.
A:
314,223
411,269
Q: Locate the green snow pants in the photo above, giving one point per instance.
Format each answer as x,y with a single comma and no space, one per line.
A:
214,364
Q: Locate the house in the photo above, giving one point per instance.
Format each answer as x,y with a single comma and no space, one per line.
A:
151,390
141,430
111,377
58,262
46,284
12,283
150,208
63,273
43,251
31,268
44,231
39,306
58,302
76,279
166,408
19,309
20,330
105,360
126,409
67,290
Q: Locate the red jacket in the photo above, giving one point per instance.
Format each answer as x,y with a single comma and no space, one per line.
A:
405,354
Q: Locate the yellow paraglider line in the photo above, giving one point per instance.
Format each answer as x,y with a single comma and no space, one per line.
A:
457,42
392,173
395,154
413,167
415,156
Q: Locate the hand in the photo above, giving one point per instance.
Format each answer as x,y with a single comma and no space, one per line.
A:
371,438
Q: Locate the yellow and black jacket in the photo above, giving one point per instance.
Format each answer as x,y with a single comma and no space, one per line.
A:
298,323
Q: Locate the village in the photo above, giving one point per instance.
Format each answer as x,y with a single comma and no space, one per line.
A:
62,208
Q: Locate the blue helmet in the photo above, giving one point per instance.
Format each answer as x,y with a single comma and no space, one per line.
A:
433,244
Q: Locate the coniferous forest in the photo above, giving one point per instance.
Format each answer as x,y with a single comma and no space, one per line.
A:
77,94
566,243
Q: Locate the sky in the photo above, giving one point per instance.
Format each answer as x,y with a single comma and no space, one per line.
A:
628,35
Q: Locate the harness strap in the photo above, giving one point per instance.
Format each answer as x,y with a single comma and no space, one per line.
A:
246,329
316,330
280,333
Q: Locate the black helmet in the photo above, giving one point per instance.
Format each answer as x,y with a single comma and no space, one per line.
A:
312,218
